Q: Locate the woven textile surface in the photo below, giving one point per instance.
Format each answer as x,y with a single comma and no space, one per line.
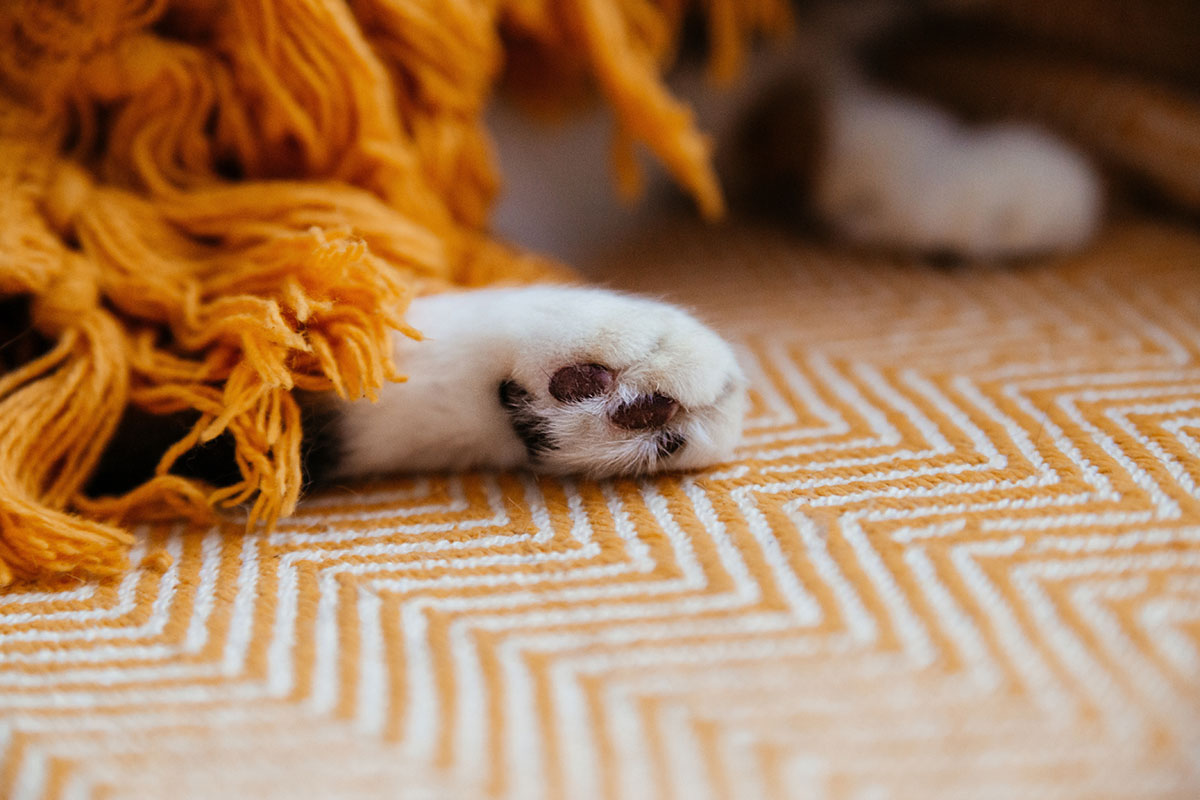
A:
958,556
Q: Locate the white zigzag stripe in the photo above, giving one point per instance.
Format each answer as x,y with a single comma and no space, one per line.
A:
959,557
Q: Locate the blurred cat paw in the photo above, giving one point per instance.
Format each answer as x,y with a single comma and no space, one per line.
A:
903,175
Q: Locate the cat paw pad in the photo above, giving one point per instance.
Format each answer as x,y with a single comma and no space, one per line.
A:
575,383
653,391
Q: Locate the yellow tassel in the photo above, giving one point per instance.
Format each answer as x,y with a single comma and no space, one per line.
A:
58,411
211,203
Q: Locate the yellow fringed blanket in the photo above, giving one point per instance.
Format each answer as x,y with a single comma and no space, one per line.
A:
209,203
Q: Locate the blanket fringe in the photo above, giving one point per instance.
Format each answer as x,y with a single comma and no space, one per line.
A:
210,203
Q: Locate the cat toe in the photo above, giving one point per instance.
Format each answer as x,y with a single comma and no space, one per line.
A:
646,411
641,420
576,382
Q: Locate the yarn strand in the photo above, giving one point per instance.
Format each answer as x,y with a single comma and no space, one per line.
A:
208,204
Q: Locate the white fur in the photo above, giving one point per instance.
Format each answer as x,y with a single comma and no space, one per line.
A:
447,415
901,174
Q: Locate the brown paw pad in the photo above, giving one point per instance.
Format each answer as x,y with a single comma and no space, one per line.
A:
579,382
647,411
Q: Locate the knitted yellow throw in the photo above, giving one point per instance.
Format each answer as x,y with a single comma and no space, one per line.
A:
205,204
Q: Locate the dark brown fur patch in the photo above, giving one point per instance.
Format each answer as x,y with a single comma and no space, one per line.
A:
529,427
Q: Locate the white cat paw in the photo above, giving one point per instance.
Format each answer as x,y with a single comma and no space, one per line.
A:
903,175
558,380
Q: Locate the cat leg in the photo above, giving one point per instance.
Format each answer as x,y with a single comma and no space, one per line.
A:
556,379
898,173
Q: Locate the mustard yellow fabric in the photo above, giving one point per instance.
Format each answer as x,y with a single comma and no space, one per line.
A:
210,203
957,555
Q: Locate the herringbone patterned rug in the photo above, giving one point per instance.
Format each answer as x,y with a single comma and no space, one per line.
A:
958,556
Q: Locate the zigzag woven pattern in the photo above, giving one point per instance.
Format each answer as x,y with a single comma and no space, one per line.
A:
958,556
